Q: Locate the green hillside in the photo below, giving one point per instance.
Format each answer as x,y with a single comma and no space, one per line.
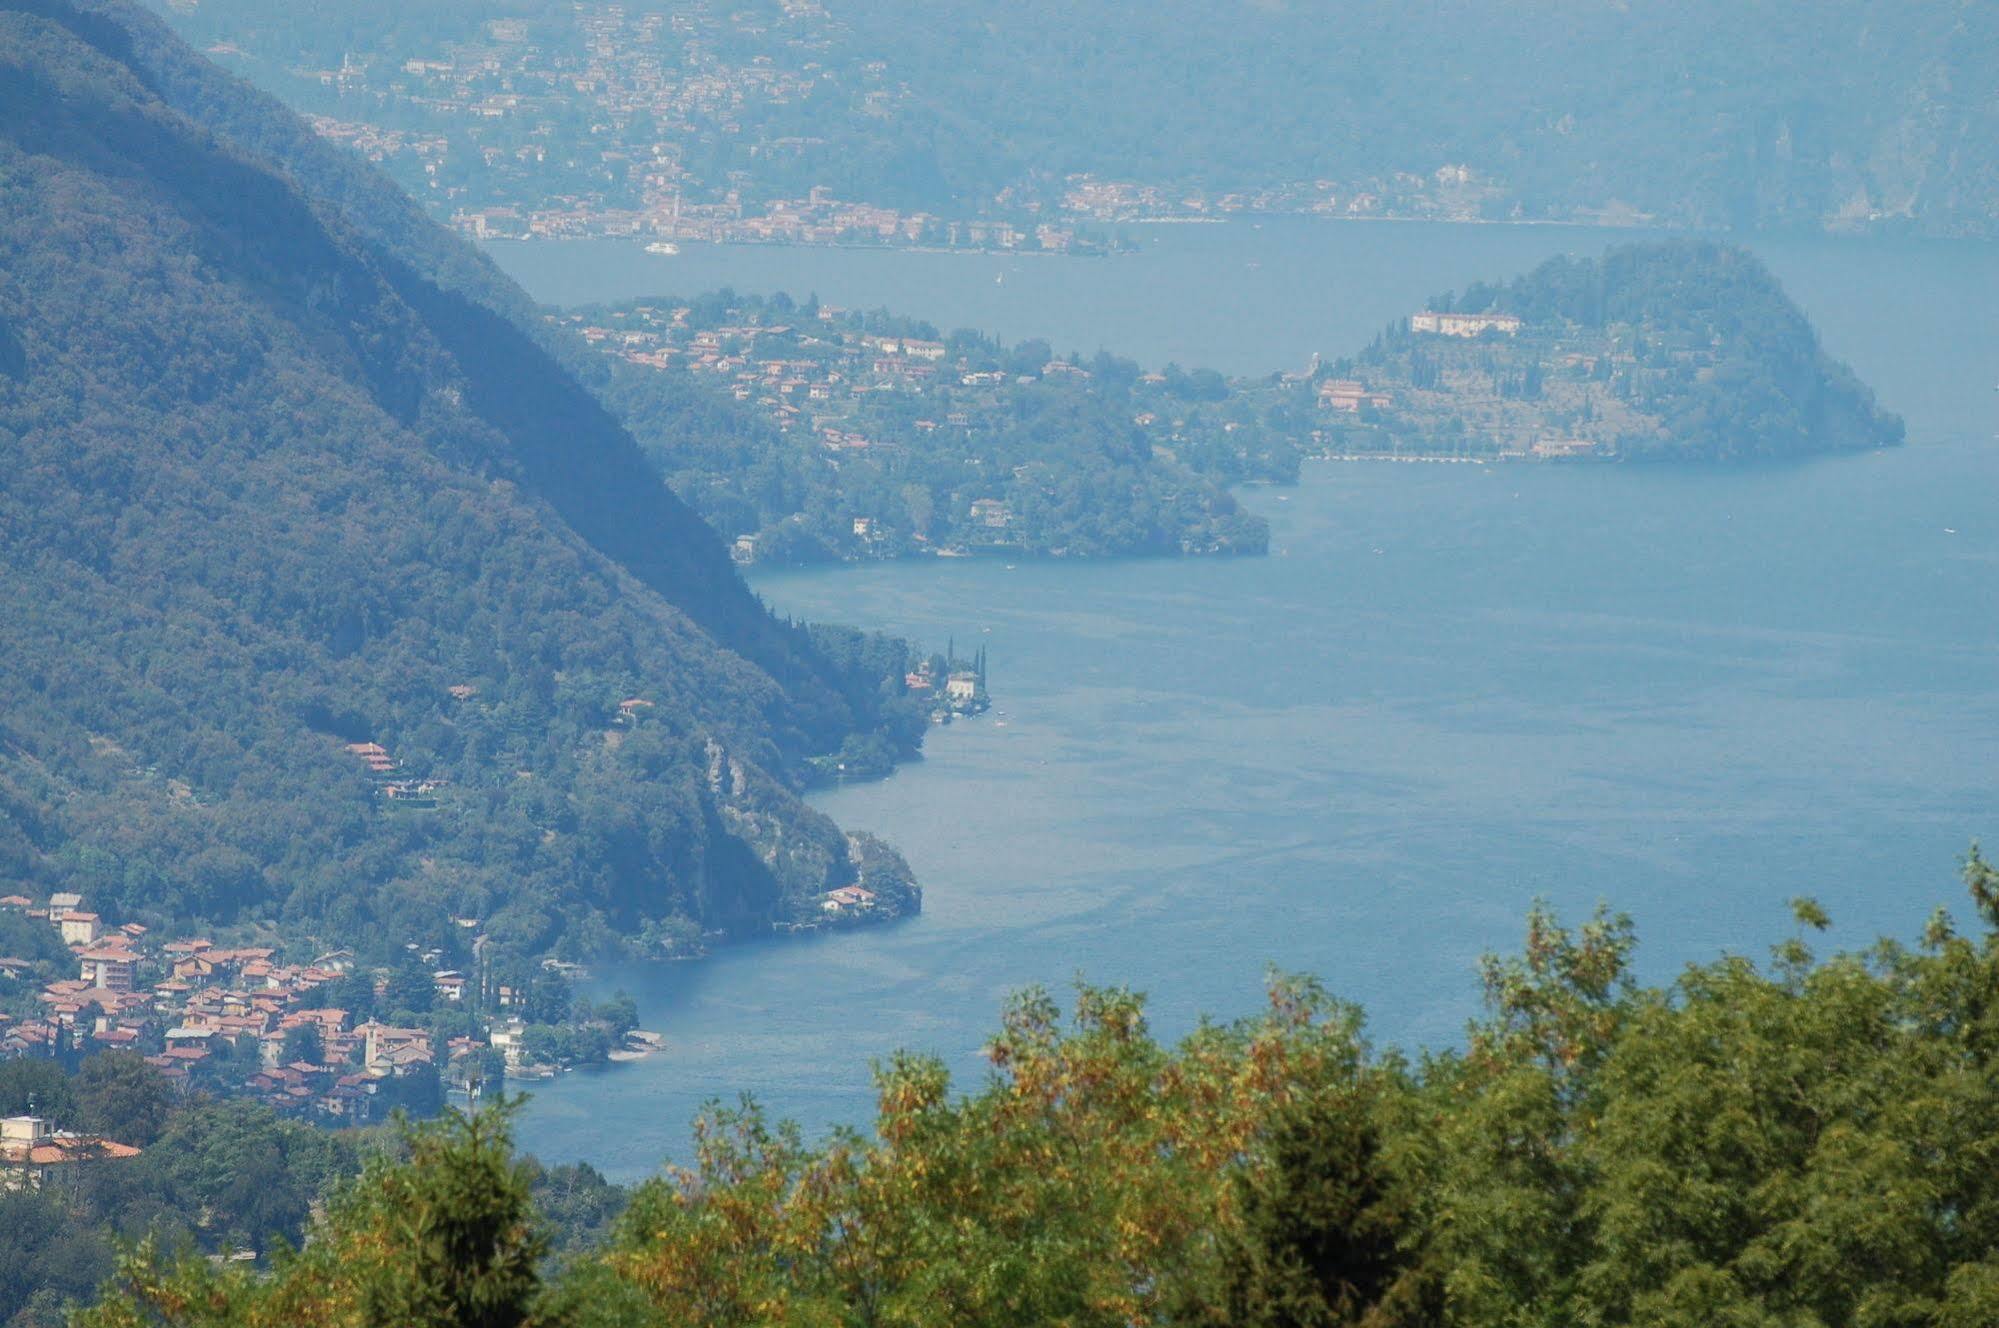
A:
279,475
1685,351
820,435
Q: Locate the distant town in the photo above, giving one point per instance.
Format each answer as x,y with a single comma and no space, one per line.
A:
817,219
657,127
871,435
484,133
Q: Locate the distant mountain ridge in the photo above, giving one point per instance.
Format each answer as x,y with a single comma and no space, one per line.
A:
280,474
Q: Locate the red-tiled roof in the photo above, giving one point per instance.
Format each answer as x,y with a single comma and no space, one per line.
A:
65,1149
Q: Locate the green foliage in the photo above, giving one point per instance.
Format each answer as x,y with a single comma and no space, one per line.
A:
411,989
439,1234
576,1204
1664,351
280,473
22,937
213,1176
119,1096
237,1170
619,1014
352,992
31,1084
1079,1186
1319,1241
459,1213
303,1042
50,1255
1799,1144
549,998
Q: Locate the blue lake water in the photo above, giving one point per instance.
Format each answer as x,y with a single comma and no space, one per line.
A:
1450,689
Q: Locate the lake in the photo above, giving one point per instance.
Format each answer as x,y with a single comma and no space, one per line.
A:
1450,690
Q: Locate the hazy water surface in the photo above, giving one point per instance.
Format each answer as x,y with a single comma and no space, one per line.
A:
1449,690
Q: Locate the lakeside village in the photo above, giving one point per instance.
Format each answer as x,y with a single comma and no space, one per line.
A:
322,1040
470,133
872,409
704,146
816,370
817,219
328,1039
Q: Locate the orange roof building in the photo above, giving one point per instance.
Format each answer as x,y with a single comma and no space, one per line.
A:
33,1152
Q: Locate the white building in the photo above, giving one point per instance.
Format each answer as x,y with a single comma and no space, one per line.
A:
1463,325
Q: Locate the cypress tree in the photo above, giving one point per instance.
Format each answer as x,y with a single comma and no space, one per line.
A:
1317,1247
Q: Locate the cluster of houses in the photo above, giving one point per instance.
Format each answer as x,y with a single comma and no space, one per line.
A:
848,899
1451,192
818,386
821,218
470,99
818,219
224,1017
961,691
820,381
390,782
813,378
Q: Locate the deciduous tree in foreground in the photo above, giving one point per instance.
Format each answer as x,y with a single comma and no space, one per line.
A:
1808,1143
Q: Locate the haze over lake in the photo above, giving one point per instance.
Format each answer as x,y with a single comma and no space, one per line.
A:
1450,689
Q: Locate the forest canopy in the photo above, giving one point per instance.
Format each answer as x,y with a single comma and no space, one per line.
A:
1676,351
1799,1141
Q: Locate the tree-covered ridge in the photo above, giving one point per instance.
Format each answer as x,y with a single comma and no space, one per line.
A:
1804,1141
1680,350
808,433
279,478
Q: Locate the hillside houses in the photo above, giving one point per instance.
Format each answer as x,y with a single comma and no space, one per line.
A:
244,1021
896,441
219,1016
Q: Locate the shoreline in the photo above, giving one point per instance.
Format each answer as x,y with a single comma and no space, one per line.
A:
647,1045
1636,225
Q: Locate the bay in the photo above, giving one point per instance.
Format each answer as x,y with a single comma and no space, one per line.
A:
1450,690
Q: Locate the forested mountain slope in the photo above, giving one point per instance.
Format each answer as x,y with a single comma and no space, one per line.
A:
279,475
